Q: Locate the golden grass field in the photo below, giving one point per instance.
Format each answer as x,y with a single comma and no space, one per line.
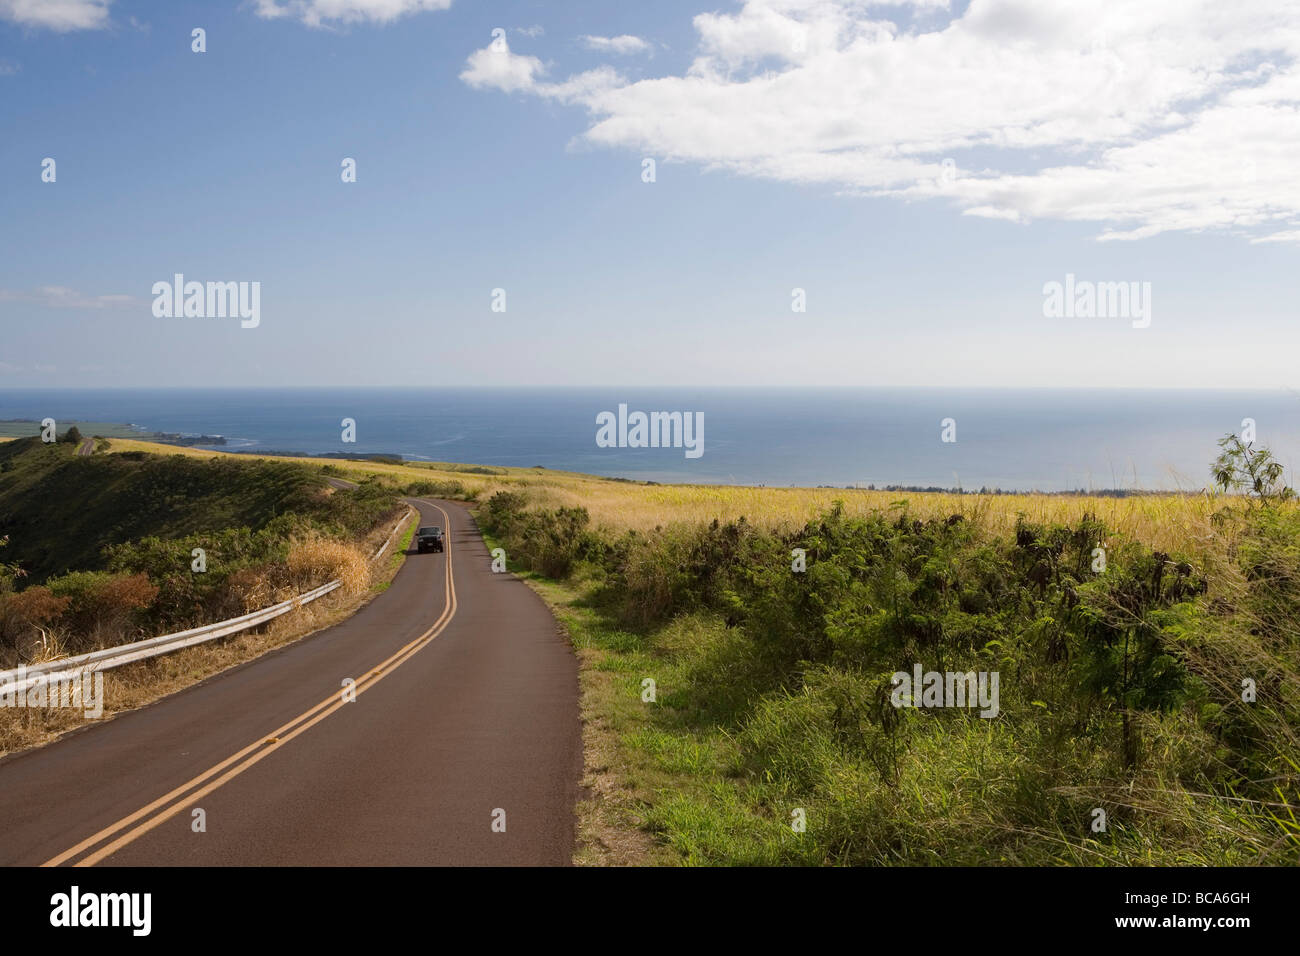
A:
1174,522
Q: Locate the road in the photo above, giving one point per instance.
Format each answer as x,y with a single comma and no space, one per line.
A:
465,714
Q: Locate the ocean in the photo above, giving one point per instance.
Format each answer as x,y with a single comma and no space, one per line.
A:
1013,439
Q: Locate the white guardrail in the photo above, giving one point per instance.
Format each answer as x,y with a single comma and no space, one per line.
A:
70,668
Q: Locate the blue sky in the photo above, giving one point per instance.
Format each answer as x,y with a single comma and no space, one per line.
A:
521,169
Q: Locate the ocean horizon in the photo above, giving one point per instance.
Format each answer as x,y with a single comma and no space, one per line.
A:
1015,439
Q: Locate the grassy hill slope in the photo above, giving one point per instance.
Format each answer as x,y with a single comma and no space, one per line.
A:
60,510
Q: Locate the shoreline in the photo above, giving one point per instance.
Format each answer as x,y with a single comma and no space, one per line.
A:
396,458
218,444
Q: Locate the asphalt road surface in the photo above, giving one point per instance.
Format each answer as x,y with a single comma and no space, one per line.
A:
465,720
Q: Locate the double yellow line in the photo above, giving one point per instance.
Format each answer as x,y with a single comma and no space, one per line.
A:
172,803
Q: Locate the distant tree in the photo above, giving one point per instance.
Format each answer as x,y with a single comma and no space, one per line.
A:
1241,466
72,436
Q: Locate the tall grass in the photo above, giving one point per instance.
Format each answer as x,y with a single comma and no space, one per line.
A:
315,560
1122,690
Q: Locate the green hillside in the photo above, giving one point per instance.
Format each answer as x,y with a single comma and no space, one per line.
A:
60,510
16,428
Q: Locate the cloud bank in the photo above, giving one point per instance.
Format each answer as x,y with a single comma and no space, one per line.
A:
1143,118
319,13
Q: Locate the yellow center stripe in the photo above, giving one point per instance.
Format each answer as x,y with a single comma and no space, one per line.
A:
264,745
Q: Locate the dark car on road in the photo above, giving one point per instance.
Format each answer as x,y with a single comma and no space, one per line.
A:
428,539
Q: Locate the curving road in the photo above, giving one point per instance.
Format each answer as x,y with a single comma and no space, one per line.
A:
466,705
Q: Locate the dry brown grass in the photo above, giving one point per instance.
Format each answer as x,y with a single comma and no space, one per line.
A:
143,682
317,559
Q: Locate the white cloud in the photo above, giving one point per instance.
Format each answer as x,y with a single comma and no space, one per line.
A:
9,67
1166,115
534,31
502,69
58,15
620,44
317,13
1286,235
497,67
61,297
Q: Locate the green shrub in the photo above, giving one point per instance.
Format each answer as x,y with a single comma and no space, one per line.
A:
436,489
1121,683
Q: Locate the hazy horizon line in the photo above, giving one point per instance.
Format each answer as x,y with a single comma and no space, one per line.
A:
599,385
